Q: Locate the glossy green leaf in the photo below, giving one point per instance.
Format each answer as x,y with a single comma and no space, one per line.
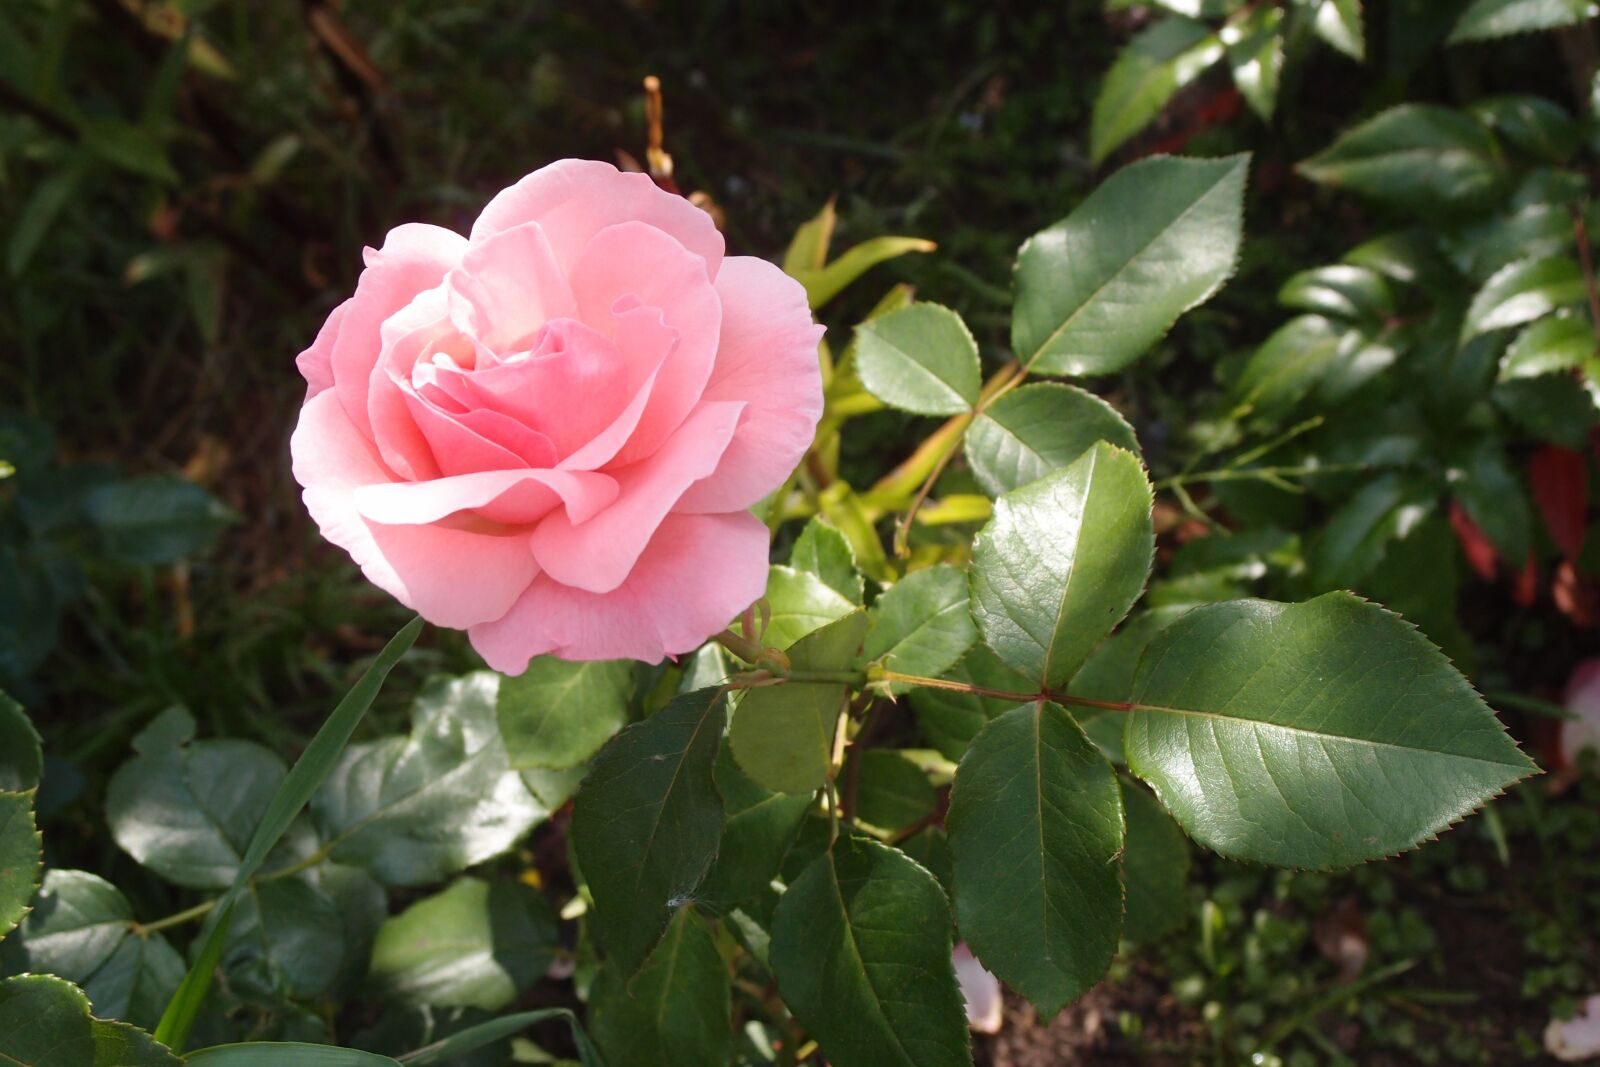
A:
1098,288
931,848
1156,64
1288,366
824,283
1155,868
921,359
675,1011
446,1050
861,949
1254,47
800,603
20,858
309,772
1339,23
892,792
45,1022
1523,291
476,944
283,1053
80,930
417,809
646,823
285,935
922,625
1341,291
1555,408
949,719
1108,674
1490,488
758,825
557,714
1540,127
188,812
1312,735
1061,563
1035,827
823,551
1415,156
1354,538
1036,429
782,735
1551,345
21,757
1487,19
156,519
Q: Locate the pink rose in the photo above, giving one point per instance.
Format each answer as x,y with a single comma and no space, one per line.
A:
549,433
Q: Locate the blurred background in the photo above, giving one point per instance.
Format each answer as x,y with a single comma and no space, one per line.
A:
185,190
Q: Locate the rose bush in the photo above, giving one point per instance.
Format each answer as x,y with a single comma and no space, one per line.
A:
548,433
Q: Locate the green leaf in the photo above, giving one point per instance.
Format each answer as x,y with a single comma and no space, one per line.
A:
825,283
557,714
303,779
20,858
1036,429
282,1053
861,949
800,603
475,944
1288,366
285,936
80,930
808,249
1342,291
675,1011
1339,23
823,551
1487,19
1555,408
1355,537
1155,868
892,793
1523,291
39,215
1539,127
417,809
127,146
1312,735
21,757
782,735
950,719
447,1050
45,1022
1416,157
1156,64
188,812
931,848
758,826
921,359
1035,827
157,519
1487,485
1100,287
1254,47
922,625
646,823
1061,563
1553,344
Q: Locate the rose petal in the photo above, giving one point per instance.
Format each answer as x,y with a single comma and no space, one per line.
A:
414,257
316,363
698,572
508,286
451,577
631,265
508,496
575,199
598,554
645,341
767,357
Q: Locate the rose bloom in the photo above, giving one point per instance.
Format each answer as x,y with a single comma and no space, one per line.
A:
548,433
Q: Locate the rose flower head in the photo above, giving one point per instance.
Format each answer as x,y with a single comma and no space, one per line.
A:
549,433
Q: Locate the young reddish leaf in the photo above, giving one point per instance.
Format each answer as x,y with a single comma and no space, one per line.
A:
1481,556
1559,481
